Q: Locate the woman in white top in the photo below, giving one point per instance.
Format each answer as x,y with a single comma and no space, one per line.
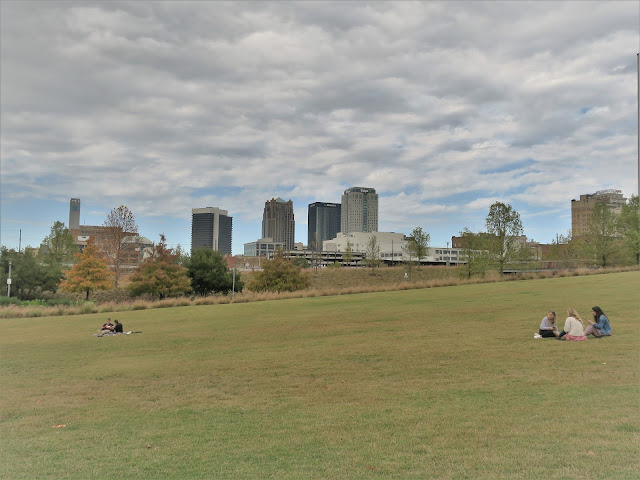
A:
572,327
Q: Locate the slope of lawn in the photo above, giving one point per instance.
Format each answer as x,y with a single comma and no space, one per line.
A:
443,383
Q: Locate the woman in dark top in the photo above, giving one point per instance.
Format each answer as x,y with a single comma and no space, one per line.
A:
118,328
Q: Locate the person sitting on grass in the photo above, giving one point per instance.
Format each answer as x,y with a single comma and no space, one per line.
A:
599,326
548,326
572,327
118,327
107,327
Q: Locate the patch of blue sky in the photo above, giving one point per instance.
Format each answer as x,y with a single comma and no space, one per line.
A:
585,110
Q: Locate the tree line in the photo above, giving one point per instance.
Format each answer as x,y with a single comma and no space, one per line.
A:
58,264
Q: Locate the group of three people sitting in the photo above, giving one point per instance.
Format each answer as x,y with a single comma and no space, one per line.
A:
573,328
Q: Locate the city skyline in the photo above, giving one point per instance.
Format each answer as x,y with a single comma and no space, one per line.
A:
442,107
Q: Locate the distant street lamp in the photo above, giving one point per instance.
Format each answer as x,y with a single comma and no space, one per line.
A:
9,280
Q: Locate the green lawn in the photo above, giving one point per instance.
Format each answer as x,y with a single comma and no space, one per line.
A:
443,383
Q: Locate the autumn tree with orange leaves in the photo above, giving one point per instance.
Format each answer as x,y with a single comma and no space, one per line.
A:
88,274
160,275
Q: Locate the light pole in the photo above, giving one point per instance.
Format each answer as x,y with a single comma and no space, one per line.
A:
9,280
233,288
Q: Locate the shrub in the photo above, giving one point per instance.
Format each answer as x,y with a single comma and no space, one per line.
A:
279,275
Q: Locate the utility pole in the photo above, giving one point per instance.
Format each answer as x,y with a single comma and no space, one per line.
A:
9,280
233,288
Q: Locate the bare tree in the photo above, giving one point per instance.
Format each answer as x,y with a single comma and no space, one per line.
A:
372,257
347,256
120,224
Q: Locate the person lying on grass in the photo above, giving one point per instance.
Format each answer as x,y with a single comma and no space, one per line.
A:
599,326
572,327
548,327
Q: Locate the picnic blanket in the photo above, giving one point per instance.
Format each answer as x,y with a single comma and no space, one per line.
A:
113,334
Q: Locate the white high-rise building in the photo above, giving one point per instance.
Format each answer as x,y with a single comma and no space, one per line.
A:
359,210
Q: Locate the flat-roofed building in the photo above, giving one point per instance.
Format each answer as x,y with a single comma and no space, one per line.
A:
393,246
359,211
324,223
263,247
212,228
582,209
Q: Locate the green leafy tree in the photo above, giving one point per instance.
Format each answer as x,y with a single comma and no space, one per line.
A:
279,275
601,246
418,244
90,273
26,275
629,227
209,273
120,223
59,244
504,223
372,255
31,276
302,262
474,251
160,275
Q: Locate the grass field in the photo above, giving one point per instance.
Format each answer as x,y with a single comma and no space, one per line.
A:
443,383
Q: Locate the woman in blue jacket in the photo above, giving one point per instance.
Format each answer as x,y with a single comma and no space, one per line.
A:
600,326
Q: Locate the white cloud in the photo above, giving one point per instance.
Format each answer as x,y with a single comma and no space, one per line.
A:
443,107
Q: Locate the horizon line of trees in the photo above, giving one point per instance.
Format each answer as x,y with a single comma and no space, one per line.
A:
612,239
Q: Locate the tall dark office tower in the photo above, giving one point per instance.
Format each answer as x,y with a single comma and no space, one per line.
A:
74,214
324,223
359,210
212,228
278,222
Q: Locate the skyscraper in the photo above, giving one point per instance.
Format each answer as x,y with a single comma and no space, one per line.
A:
278,222
359,210
212,228
324,223
74,214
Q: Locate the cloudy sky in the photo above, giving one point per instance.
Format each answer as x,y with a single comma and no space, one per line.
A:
442,107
